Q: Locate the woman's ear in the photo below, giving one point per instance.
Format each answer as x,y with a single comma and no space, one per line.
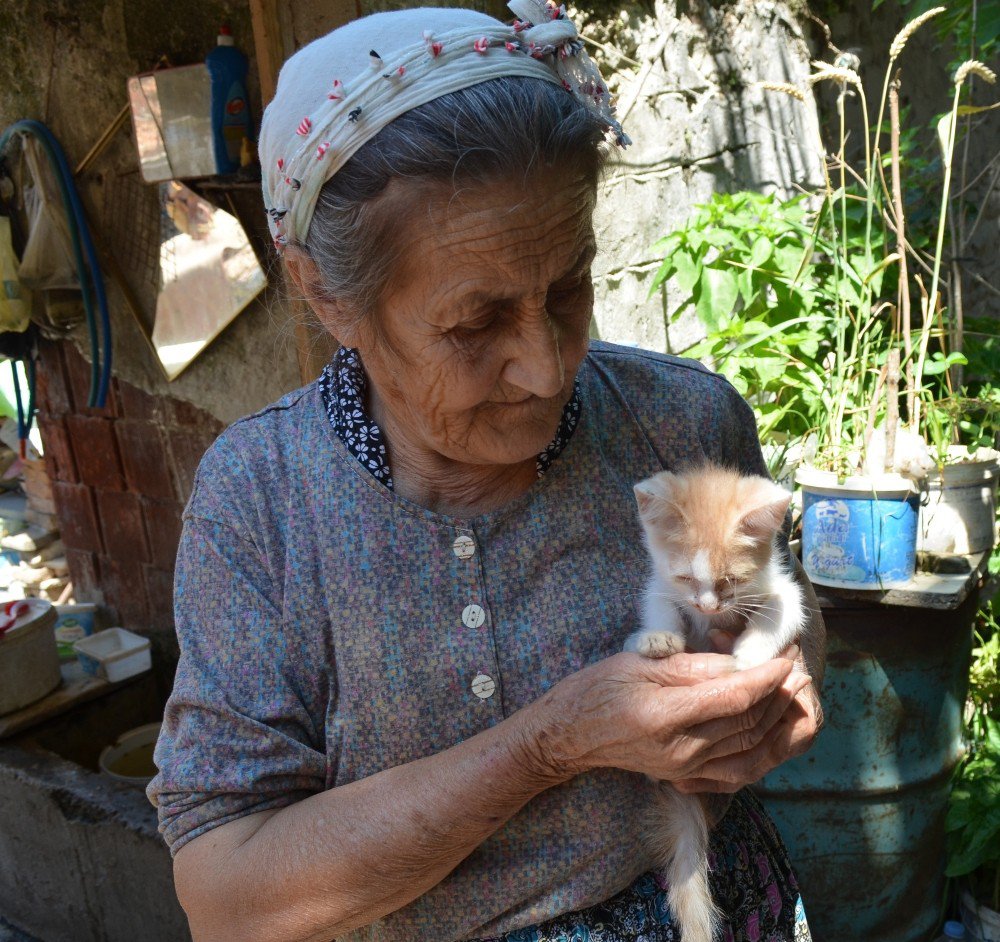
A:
307,283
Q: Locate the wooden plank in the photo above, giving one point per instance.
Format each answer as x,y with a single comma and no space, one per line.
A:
76,687
269,45
943,591
274,41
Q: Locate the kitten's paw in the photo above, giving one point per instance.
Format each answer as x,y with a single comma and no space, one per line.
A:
753,649
655,643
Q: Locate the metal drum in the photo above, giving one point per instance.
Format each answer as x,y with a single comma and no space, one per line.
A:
863,811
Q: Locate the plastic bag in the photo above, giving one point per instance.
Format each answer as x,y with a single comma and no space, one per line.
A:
47,260
15,300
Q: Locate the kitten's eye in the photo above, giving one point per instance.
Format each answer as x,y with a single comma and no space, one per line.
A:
688,579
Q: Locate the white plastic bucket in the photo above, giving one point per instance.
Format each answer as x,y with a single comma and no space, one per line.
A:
29,661
958,508
859,534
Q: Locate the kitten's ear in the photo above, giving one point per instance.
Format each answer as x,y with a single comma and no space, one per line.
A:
767,512
654,497
645,496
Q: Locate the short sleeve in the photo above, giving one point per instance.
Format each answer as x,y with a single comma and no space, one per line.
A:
734,432
237,737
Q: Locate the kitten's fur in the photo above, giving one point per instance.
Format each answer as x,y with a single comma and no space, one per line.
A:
711,535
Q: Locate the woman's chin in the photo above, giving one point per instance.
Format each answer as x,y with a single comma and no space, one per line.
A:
506,438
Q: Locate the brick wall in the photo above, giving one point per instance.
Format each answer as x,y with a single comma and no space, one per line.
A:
120,478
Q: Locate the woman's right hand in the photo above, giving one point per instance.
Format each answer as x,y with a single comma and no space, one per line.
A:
665,718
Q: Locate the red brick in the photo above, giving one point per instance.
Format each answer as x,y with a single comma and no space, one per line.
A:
59,459
120,514
52,387
139,405
83,572
182,413
96,452
77,516
160,596
163,527
187,447
78,374
145,459
125,592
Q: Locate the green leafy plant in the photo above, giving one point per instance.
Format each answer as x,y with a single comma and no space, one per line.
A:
784,290
806,301
973,822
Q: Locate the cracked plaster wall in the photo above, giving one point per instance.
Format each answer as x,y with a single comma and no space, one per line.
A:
699,125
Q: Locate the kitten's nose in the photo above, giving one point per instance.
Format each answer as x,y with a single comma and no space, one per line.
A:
708,602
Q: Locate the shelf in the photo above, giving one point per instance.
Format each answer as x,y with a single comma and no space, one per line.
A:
941,590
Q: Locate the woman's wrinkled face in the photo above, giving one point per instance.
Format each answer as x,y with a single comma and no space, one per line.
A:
486,318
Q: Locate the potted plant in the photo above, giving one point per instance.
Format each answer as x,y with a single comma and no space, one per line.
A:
973,822
959,505
807,307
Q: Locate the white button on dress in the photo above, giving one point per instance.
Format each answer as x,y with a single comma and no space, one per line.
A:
473,616
464,547
483,686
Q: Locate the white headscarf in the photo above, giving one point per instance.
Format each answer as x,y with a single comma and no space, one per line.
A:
342,89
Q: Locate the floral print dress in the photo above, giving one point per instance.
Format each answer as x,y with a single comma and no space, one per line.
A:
752,884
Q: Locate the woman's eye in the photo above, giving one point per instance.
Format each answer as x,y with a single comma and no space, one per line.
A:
476,324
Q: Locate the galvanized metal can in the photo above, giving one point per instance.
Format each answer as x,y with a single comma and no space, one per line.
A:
863,811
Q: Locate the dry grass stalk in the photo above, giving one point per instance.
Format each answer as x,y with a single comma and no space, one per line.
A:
974,67
903,36
829,73
784,87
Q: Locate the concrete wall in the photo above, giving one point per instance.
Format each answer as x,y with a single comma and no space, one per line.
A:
82,860
700,125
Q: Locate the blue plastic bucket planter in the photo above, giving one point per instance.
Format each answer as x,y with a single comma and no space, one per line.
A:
861,534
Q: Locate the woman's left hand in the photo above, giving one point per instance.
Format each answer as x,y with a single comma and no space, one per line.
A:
791,736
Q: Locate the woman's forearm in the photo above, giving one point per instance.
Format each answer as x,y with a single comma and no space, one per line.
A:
348,856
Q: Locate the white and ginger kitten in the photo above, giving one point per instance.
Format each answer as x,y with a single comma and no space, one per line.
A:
712,536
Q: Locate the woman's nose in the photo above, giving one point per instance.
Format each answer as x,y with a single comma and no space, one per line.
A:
535,362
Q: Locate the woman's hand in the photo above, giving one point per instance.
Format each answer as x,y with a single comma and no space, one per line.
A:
682,718
791,735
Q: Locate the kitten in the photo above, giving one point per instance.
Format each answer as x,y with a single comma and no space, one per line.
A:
712,538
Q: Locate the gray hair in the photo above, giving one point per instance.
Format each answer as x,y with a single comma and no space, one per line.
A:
501,129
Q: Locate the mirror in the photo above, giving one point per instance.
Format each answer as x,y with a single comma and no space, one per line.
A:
208,274
171,112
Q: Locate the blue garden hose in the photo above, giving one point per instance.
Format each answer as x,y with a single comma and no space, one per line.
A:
88,273
24,417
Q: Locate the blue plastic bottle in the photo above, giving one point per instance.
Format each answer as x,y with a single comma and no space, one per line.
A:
952,931
231,123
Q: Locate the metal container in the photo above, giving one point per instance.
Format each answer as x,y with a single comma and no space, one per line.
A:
29,659
863,811
958,509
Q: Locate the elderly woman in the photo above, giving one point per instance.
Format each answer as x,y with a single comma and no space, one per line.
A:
402,590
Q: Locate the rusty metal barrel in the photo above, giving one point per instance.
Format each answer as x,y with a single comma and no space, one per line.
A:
863,811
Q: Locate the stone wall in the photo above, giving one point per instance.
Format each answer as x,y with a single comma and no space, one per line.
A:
699,125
